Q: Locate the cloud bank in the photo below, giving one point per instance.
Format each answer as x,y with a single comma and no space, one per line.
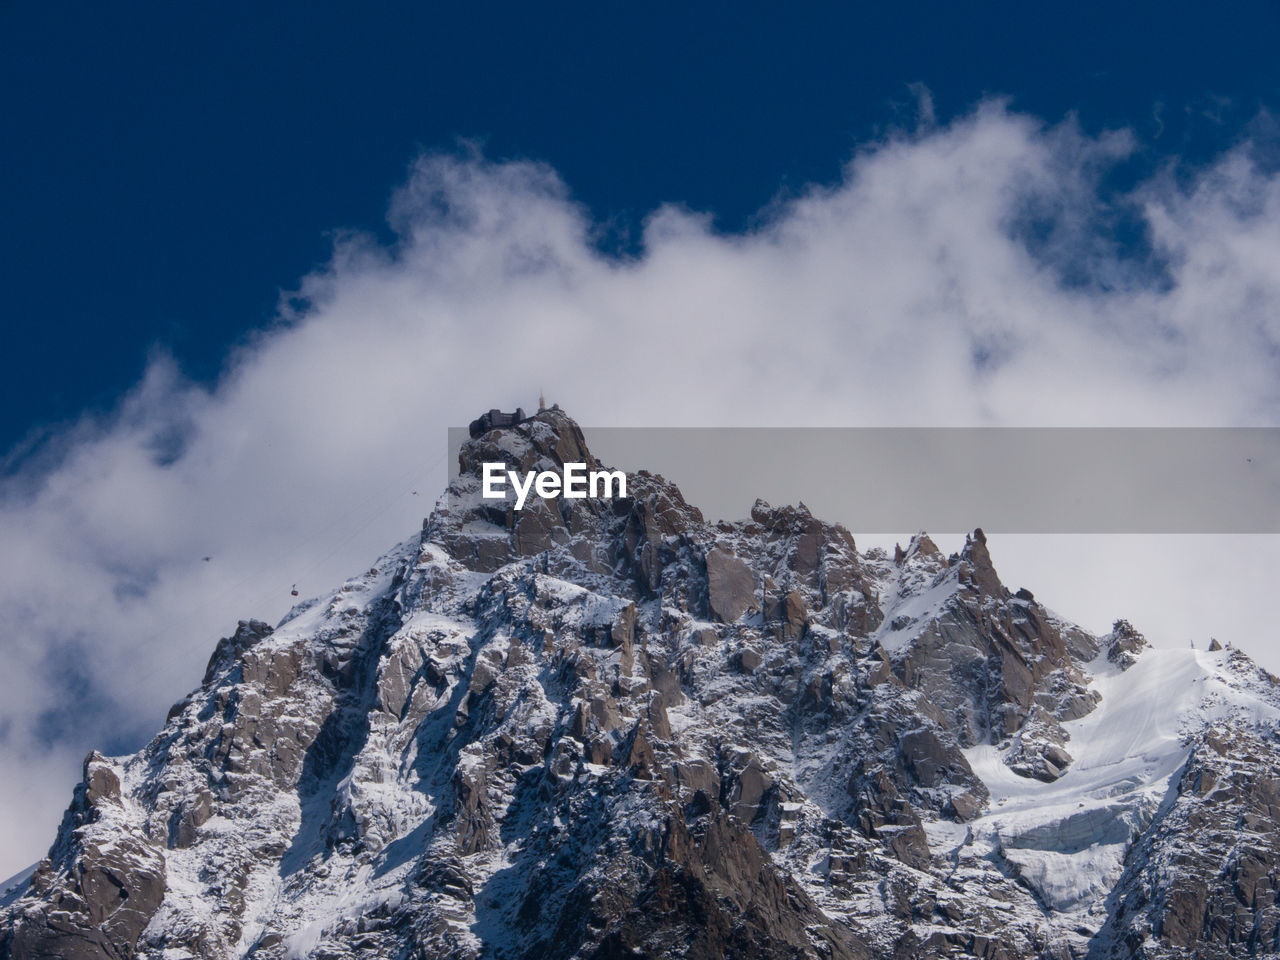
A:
961,274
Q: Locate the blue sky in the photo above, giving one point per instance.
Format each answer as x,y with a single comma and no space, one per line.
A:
169,168
737,215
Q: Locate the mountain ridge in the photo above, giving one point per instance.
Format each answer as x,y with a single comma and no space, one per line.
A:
612,728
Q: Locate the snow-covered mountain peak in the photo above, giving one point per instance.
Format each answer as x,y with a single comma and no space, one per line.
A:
608,728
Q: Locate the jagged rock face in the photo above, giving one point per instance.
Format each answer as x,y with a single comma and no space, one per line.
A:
100,885
1205,880
1124,643
605,729
991,661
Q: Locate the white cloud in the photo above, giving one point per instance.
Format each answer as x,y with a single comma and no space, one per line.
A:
961,275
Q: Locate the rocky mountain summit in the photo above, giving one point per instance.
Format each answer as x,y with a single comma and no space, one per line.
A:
611,728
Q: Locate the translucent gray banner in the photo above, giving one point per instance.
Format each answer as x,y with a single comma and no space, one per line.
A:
950,480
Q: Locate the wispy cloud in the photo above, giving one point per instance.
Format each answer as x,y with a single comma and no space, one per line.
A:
961,274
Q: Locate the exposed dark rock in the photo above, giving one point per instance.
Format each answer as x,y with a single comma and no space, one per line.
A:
1124,643
99,886
1204,881
230,649
731,589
